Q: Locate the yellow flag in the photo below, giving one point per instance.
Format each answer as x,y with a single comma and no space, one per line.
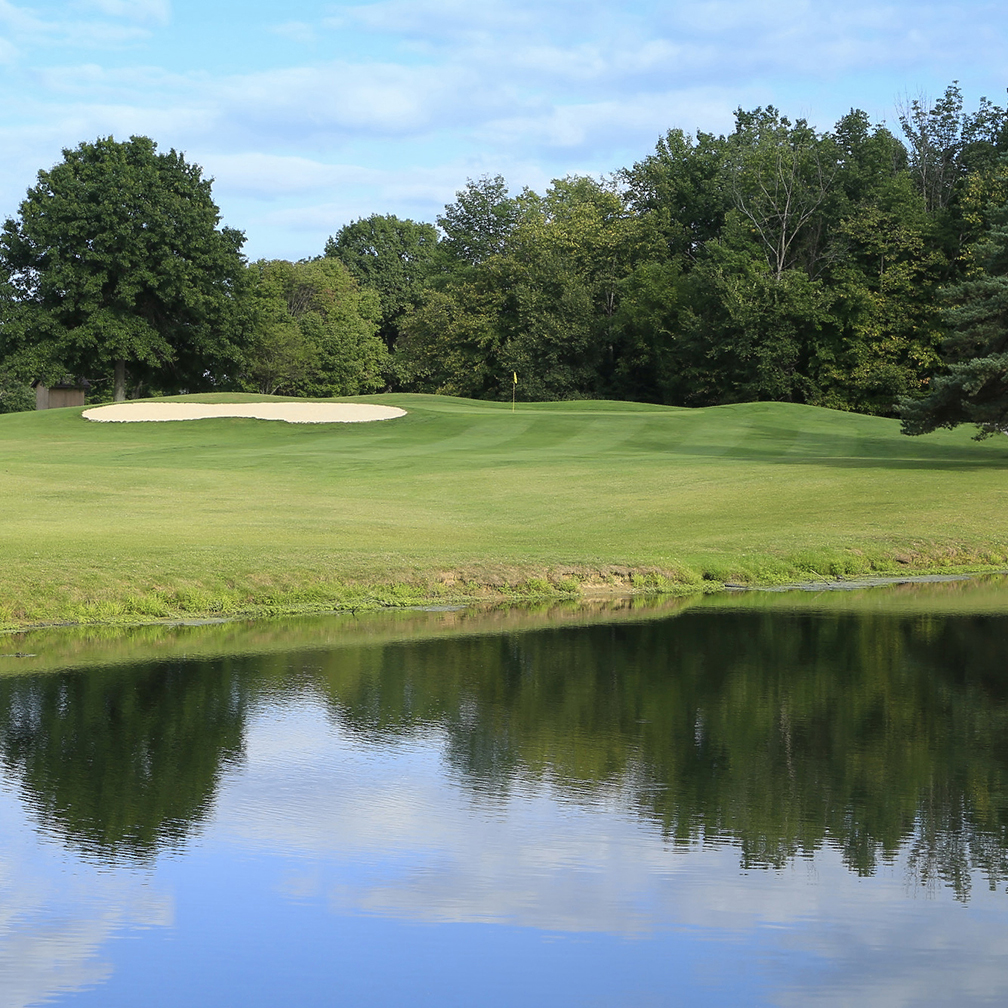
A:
515,373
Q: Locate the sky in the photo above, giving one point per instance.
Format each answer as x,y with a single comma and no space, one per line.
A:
311,114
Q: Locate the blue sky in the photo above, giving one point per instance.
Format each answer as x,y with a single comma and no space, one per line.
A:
311,114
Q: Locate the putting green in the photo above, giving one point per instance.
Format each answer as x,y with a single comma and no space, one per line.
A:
113,521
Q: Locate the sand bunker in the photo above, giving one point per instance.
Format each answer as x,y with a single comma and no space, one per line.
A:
291,412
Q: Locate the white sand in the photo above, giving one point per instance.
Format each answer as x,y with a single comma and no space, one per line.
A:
291,412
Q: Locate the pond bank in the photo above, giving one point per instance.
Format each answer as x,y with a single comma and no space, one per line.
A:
853,584
40,649
575,588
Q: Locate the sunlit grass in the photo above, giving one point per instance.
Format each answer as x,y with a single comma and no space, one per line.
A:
109,522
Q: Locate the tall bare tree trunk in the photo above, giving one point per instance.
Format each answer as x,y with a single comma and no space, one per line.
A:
119,386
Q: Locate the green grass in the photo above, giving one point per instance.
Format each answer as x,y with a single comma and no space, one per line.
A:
52,648
463,499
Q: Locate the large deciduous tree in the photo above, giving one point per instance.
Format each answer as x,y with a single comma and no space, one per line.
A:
395,257
683,189
782,176
119,265
314,331
540,300
481,221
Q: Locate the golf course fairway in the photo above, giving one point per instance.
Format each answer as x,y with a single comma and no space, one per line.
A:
458,499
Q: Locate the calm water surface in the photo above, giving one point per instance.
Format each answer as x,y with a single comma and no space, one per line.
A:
781,801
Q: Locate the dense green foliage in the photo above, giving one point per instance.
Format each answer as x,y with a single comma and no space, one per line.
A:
116,259
313,331
773,263
851,268
394,257
974,388
16,395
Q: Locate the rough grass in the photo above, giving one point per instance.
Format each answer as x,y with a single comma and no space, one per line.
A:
466,500
44,649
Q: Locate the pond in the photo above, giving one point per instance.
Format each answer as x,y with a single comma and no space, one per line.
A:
762,799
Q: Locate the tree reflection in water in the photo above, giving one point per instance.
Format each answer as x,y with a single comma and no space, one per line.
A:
122,761
777,732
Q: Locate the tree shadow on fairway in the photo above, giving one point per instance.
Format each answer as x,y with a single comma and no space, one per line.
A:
789,448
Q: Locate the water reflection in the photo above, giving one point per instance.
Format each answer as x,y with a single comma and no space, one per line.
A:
777,731
738,803
780,732
119,762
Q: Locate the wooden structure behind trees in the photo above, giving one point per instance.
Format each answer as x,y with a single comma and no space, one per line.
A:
66,393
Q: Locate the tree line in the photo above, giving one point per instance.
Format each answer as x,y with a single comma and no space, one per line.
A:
859,268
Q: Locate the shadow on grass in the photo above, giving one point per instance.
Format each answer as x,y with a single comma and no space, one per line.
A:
853,462
823,451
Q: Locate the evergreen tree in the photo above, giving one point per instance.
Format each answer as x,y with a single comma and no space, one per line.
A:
974,387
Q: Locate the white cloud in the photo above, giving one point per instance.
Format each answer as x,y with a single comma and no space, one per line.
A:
383,829
372,98
93,79
85,121
443,20
289,206
27,30
430,85
590,62
632,121
20,20
53,926
272,176
155,12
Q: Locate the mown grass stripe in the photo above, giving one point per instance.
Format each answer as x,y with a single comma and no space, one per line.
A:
101,519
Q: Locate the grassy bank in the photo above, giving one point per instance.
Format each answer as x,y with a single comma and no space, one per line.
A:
47,649
464,500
